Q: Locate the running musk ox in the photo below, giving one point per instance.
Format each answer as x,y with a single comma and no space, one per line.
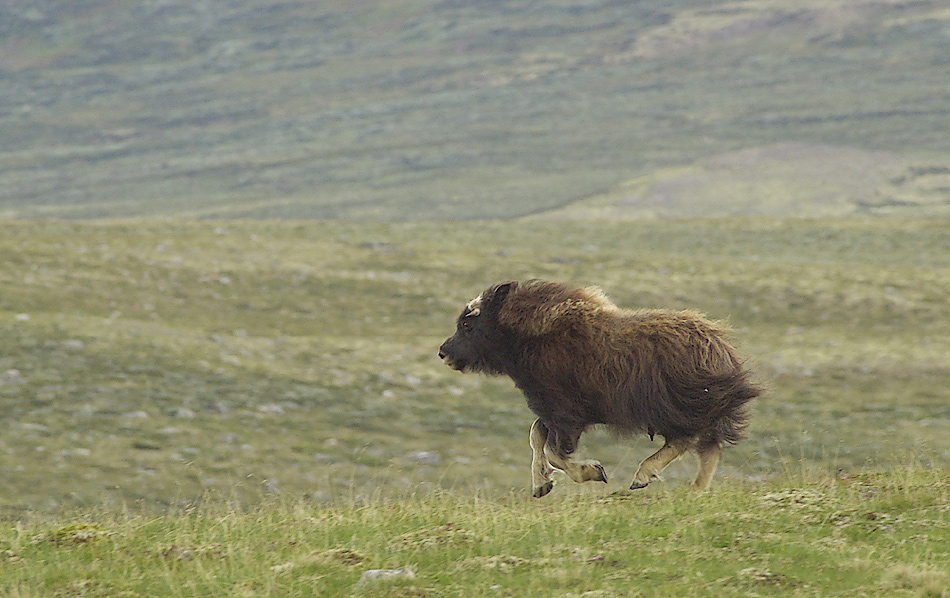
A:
581,361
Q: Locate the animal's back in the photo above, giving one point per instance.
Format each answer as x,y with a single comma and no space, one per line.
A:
684,341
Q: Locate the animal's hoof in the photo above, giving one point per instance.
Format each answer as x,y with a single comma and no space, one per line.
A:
638,485
543,490
602,475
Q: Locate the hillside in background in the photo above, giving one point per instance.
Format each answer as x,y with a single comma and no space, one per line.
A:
491,109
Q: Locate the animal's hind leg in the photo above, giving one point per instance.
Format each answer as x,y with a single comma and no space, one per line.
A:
542,480
651,467
558,451
708,460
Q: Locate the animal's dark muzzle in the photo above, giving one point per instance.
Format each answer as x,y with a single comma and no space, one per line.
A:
450,361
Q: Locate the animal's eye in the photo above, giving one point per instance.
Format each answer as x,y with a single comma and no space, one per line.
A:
466,325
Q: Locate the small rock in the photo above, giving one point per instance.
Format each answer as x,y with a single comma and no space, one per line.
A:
221,407
380,246
136,415
185,413
11,377
276,409
425,457
22,317
72,345
374,575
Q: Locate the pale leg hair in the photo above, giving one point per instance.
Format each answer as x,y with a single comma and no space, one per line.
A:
545,458
708,460
542,479
580,470
651,467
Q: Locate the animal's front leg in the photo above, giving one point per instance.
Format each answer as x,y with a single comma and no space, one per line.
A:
542,478
558,450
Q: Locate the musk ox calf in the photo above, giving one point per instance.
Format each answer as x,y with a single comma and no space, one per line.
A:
581,361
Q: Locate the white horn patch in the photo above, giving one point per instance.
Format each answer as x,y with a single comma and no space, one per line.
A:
474,306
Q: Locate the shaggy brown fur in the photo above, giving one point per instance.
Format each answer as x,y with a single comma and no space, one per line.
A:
581,361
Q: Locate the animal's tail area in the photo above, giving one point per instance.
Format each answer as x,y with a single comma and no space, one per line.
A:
731,394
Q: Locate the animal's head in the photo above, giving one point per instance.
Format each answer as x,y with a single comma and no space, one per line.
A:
479,343
492,325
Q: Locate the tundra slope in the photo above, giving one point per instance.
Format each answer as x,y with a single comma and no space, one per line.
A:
581,361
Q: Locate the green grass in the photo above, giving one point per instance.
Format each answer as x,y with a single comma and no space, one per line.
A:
257,408
882,534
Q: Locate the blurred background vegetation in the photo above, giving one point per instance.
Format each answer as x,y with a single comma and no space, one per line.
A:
414,109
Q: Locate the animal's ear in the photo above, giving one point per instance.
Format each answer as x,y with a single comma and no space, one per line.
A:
501,291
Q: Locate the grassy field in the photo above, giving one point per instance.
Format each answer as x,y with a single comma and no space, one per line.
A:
257,408
155,363
854,535
210,406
